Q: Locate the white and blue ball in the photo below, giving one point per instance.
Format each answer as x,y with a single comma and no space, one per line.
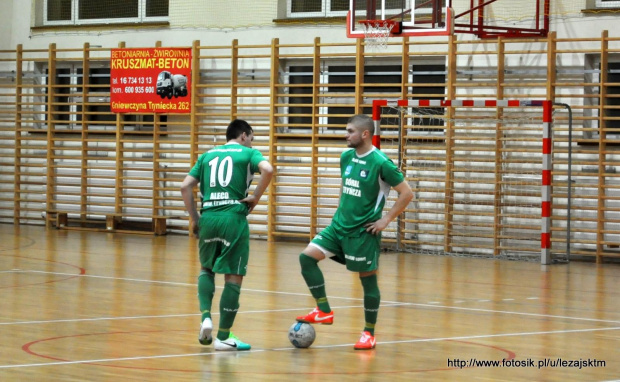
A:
301,335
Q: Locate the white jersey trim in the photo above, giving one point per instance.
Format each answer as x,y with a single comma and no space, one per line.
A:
366,153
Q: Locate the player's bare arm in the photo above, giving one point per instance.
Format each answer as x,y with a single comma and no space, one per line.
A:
188,199
404,197
266,173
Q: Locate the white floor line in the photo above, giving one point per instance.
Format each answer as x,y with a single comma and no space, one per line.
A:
105,277
359,299
193,285
422,340
104,360
304,309
509,312
96,319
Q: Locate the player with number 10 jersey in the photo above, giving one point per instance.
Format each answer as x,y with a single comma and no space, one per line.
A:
224,174
221,191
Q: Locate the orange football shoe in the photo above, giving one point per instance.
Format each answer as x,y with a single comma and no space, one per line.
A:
317,317
366,342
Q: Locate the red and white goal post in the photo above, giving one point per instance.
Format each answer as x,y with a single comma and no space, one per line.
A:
475,167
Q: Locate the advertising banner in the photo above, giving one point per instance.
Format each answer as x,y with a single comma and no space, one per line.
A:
150,80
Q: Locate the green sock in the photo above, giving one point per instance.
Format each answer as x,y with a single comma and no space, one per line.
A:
314,279
229,305
372,298
206,289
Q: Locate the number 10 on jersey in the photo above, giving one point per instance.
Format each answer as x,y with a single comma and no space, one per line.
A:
223,169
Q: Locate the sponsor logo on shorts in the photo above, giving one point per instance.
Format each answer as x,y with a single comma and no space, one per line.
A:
353,258
223,241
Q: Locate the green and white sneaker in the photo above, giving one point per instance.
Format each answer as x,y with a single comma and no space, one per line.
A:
231,344
206,328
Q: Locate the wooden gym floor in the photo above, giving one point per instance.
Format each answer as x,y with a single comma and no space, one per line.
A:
84,306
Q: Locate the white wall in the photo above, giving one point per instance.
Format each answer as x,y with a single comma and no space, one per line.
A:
6,27
16,29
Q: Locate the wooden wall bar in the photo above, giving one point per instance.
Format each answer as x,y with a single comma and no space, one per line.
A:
68,162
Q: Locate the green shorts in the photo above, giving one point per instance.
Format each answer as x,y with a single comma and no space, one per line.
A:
360,253
224,243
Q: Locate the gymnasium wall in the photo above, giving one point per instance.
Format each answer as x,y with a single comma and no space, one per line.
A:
66,160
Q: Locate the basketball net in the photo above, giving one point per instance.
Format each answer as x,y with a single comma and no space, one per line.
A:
376,33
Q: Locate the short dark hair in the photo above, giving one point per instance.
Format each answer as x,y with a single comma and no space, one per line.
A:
238,127
363,122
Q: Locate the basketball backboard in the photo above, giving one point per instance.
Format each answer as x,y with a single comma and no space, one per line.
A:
412,17
483,18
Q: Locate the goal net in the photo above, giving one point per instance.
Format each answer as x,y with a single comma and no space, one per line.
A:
480,172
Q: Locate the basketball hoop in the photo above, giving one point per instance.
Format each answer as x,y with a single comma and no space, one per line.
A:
377,32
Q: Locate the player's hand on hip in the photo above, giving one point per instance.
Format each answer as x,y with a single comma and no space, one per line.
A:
376,226
251,201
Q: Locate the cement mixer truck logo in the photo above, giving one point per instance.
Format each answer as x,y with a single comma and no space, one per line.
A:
151,80
169,85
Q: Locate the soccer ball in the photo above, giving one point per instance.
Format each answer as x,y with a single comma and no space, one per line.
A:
301,335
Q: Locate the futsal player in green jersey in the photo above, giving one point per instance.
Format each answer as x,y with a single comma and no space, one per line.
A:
224,174
354,235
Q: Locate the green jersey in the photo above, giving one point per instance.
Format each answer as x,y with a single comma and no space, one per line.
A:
366,183
225,174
